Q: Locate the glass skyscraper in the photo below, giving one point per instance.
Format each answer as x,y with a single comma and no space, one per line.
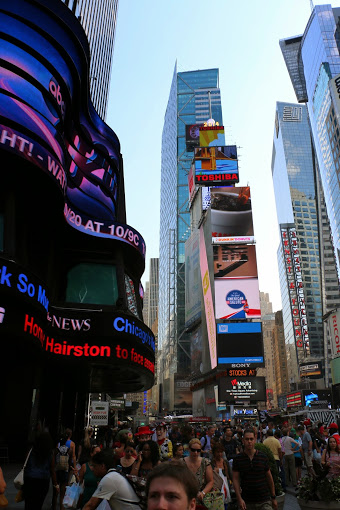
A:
99,22
194,98
307,269
313,62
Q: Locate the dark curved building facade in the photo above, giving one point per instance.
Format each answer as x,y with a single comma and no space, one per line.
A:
70,267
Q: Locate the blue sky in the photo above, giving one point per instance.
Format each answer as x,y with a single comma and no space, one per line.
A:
242,40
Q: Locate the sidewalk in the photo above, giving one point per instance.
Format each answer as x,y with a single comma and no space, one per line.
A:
10,472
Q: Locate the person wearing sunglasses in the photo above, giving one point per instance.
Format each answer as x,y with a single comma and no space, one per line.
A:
201,468
129,457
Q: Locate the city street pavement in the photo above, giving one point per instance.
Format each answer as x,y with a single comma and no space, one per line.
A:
11,470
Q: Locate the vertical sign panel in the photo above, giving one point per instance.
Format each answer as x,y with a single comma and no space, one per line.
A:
208,302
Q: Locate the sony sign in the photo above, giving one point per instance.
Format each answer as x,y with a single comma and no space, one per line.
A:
334,324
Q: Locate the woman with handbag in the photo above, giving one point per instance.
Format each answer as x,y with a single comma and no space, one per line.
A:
38,471
201,468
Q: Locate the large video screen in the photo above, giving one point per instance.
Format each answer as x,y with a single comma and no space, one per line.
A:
238,389
231,211
211,136
237,298
216,165
240,348
233,261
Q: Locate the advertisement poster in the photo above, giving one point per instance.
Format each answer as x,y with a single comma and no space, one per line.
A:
196,352
233,261
311,370
208,301
183,394
211,136
333,324
192,136
192,279
234,389
237,298
231,211
216,164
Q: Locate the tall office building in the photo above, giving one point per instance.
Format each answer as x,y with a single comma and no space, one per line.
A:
153,293
194,98
306,267
99,22
313,62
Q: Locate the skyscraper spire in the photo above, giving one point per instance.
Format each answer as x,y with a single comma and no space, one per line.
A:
311,5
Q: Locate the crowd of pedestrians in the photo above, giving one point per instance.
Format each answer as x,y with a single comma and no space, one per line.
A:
118,465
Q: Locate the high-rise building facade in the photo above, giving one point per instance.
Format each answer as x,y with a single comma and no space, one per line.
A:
303,254
313,62
194,98
99,22
153,293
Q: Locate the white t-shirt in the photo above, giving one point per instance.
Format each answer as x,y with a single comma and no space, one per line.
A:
117,491
288,442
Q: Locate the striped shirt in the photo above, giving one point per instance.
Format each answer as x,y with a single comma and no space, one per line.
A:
253,479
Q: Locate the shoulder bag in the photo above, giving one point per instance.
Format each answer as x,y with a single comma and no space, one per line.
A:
19,479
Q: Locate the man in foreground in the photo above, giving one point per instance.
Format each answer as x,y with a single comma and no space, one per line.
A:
171,486
113,487
252,479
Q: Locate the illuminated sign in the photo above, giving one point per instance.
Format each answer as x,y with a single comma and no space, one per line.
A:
192,279
233,240
84,160
99,413
251,389
234,261
239,327
240,348
214,165
294,399
312,370
241,372
296,293
191,183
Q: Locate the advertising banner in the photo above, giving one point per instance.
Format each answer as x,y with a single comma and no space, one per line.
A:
211,136
192,136
191,183
237,298
234,261
192,279
231,212
292,262
233,389
317,398
216,165
208,301
335,367
311,370
333,324
183,394
235,348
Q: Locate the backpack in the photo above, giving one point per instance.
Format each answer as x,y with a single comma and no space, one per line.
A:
62,458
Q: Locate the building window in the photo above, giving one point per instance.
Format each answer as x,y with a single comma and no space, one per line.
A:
93,284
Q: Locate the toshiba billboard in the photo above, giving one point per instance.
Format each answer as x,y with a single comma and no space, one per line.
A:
334,324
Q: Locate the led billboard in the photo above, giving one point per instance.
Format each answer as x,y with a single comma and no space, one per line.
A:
333,324
317,398
192,136
311,370
240,348
234,261
237,298
239,389
231,212
216,165
211,136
